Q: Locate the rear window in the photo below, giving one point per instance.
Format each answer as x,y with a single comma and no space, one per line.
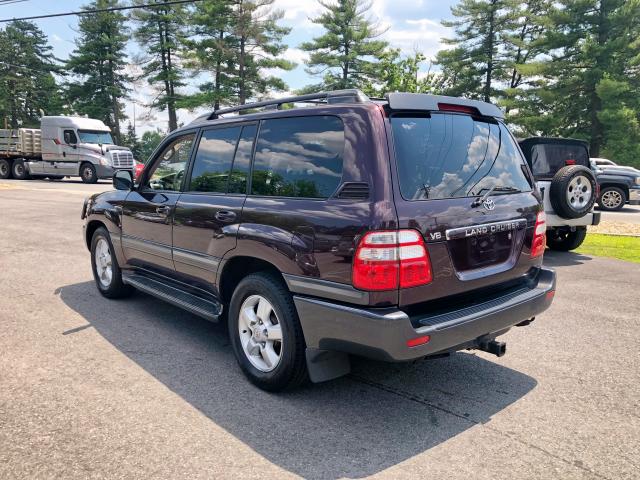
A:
450,155
547,159
298,157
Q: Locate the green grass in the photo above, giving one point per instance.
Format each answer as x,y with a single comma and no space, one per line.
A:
611,246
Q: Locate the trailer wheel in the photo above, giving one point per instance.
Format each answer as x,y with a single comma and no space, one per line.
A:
88,173
5,168
19,170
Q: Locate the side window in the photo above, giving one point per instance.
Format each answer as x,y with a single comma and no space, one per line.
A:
299,157
242,161
167,172
212,164
70,137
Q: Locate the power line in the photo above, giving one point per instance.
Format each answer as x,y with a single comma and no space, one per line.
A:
99,10
9,2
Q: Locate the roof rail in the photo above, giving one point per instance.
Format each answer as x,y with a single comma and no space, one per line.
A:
337,96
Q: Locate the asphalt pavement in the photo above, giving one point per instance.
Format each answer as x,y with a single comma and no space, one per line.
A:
92,388
629,214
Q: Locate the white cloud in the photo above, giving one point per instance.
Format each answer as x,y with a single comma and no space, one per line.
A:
295,55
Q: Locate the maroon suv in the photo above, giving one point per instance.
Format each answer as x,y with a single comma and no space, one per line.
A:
394,229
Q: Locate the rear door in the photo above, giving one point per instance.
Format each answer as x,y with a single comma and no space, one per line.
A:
208,213
445,163
147,219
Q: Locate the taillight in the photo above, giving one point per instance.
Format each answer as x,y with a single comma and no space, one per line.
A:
390,259
539,235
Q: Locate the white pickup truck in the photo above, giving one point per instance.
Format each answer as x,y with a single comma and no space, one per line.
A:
64,146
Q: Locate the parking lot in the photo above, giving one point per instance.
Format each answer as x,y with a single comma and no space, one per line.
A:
137,388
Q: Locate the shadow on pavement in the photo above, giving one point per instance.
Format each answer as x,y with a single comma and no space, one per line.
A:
379,416
564,259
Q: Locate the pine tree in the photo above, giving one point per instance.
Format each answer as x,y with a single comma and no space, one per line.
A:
257,46
208,50
587,74
477,63
26,73
160,33
130,139
346,55
99,60
236,42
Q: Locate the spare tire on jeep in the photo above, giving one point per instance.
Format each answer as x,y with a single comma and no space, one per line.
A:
573,191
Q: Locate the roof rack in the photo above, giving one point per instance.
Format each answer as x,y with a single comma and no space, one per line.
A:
337,96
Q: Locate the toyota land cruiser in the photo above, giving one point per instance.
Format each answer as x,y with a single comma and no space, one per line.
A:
395,229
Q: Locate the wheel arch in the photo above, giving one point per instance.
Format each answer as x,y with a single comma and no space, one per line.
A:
91,228
621,186
236,268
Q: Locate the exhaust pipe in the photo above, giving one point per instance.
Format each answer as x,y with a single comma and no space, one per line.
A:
496,348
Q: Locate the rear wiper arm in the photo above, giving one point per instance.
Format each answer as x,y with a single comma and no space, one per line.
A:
478,201
496,188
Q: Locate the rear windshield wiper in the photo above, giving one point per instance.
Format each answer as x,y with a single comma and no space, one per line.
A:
497,188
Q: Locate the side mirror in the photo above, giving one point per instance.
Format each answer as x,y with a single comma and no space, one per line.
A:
123,180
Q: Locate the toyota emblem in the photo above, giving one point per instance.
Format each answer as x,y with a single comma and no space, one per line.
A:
489,204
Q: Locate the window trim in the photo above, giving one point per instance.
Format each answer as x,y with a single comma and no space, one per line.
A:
253,157
247,184
155,157
208,128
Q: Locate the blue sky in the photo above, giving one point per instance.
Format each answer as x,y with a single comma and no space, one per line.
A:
411,25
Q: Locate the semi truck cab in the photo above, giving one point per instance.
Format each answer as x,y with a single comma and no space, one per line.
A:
67,146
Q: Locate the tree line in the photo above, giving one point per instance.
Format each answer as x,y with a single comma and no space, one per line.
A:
557,67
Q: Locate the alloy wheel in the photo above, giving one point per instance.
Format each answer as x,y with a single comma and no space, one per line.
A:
104,267
579,192
611,199
260,333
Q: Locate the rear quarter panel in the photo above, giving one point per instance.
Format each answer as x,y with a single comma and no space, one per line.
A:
317,238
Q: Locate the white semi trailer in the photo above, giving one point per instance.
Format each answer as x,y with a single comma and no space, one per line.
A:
63,146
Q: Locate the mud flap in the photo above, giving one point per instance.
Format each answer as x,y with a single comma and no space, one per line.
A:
324,365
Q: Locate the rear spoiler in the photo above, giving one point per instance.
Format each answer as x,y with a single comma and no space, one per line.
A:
423,101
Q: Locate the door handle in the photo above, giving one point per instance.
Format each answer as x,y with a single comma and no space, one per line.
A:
225,216
163,210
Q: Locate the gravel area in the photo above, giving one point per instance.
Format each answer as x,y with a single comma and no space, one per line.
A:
616,228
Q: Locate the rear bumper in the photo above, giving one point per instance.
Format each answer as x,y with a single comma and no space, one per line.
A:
591,218
383,333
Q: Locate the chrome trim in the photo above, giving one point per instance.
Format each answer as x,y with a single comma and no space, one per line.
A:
485,229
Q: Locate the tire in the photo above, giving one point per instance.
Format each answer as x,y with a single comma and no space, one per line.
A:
612,199
573,191
88,173
564,239
113,288
19,170
5,169
290,368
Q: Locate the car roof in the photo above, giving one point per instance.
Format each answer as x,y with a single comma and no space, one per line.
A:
340,99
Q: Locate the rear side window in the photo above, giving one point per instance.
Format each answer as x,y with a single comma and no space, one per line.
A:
213,160
547,159
449,155
298,157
